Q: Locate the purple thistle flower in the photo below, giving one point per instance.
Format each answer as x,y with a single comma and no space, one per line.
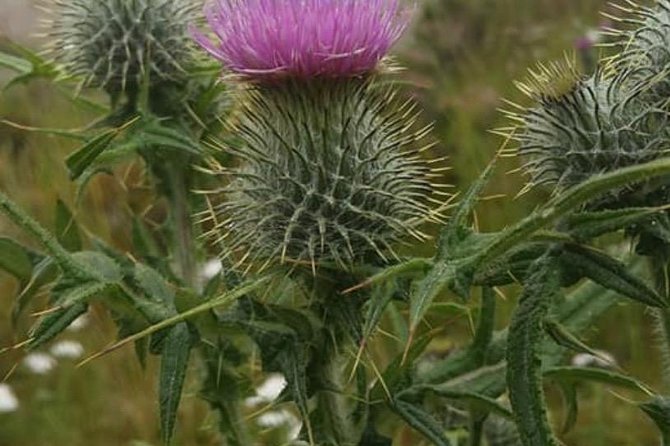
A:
269,39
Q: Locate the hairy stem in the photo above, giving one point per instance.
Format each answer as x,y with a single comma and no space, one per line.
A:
476,430
333,405
180,211
659,267
33,228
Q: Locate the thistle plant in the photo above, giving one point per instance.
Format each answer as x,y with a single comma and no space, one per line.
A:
116,44
309,177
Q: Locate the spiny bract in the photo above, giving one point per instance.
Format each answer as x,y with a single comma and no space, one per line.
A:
645,49
330,172
598,125
113,44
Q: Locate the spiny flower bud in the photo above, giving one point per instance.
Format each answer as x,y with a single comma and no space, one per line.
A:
114,44
580,128
331,173
645,55
270,39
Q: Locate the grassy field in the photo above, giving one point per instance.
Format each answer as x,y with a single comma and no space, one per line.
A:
462,57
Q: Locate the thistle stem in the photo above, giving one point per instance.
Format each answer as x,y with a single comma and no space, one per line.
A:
659,267
333,415
476,430
333,406
180,210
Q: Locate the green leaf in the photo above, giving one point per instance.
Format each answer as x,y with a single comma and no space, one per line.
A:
480,403
151,133
81,294
79,161
455,267
103,267
422,421
510,268
381,297
610,273
564,338
143,241
588,225
603,376
14,63
154,285
44,272
658,410
15,259
53,324
67,230
28,64
174,362
569,393
524,369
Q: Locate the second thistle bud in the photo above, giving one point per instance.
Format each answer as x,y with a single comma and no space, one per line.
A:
580,127
115,44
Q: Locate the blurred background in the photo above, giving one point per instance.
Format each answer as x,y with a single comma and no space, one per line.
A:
461,57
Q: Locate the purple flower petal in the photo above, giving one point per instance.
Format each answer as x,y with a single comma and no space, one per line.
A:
270,39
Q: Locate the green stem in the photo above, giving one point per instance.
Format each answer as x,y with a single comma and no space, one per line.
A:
333,418
32,227
476,430
333,405
180,210
659,267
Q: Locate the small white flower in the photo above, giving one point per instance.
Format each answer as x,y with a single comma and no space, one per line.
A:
39,363
268,391
79,323
210,269
8,400
601,359
279,418
67,349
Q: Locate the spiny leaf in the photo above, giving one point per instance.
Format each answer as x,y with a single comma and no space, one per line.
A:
65,260
456,269
67,230
658,410
569,393
103,267
422,421
524,370
478,402
564,338
44,272
588,225
599,375
154,285
54,323
81,293
17,64
174,362
79,161
609,273
15,259
223,299
470,199
151,133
